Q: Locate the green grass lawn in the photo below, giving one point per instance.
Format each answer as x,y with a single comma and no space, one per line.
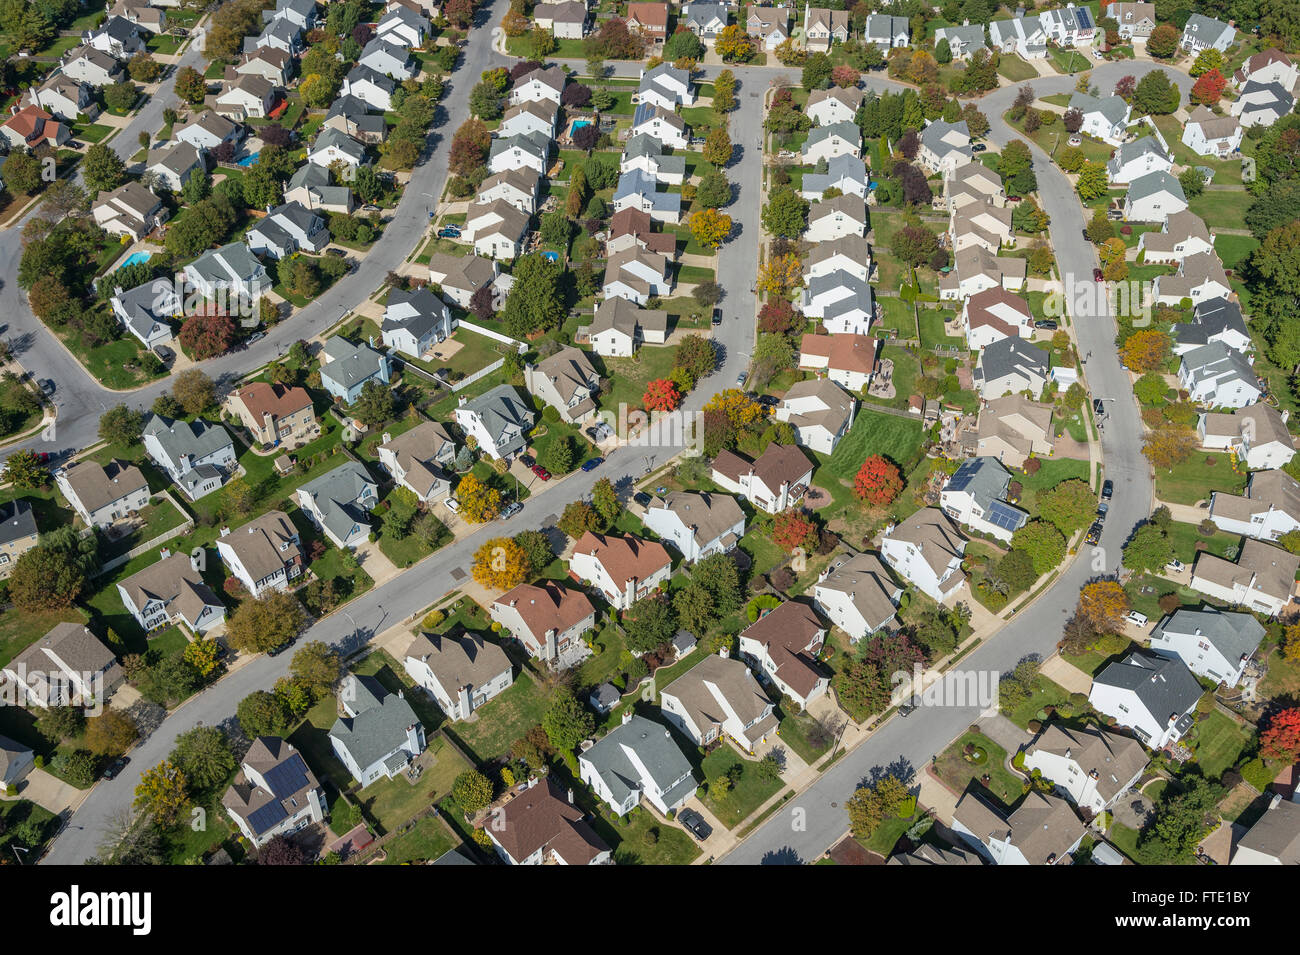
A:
1233,250
633,846
1046,693
630,375
1219,743
1195,478
20,629
899,316
1126,841
1188,541
1015,69
930,323
800,732
955,770
750,790
1222,210
504,719
425,841
1052,472
898,439
886,835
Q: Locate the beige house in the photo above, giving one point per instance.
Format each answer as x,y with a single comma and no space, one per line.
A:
265,554
275,414
67,665
103,494
719,697
18,533
567,381
1013,429
1262,579
419,460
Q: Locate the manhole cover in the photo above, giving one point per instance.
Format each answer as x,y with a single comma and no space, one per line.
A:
457,573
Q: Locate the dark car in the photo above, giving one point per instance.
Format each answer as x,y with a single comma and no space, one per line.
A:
592,464
47,386
1102,508
978,147
1107,489
336,252
717,317
1096,275
1094,533
448,232
1097,407
642,498
116,767
527,460
1046,324
695,824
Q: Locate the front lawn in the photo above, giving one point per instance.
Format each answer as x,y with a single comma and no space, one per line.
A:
749,788
959,772
1046,693
1194,479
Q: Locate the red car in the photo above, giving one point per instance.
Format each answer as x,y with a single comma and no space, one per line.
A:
541,472
1096,275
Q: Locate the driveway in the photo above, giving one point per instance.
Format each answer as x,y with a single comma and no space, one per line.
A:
50,792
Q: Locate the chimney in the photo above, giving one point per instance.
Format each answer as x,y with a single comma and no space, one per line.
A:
570,795
551,650
1285,415
627,716
725,653
195,561
463,700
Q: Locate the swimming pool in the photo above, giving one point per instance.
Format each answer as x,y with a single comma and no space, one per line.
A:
136,258
551,256
579,123
248,160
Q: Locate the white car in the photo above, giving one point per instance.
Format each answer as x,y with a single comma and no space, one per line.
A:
452,505
1137,619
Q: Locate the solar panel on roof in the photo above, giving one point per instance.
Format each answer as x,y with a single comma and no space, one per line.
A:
1081,14
1005,516
287,778
260,820
961,478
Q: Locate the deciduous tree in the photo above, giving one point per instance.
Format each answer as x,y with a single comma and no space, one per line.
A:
878,481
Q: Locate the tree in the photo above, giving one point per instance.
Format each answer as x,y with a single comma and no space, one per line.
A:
734,45
479,502
1170,445
788,53
23,469
1093,182
204,755
111,733
469,148
58,723
566,722
472,791
207,335
24,173
717,147
943,52
102,169
263,713
1068,506
317,665
1208,90
1103,603
780,274
265,623
121,425
1156,93
697,355
860,690
190,85
976,122
1192,183
538,549
1145,350
203,655
710,228
878,481
578,518
1281,738
792,529
501,563
778,317
282,851
557,456
661,394
1016,167
707,294
163,792
914,244
374,405
194,391
724,92
1072,120
1042,542
1148,549
53,574
536,301
786,213
1182,819
683,43
649,624
606,502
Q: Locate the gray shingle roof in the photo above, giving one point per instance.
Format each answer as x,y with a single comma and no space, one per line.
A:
180,438
17,520
335,494
380,723
654,749
1153,183
1164,684
1112,107
1234,635
349,363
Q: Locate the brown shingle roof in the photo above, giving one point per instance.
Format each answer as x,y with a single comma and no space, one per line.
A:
458,660
787,632
843,352
547,606
624,557
264,545
262,399
543,818
97,485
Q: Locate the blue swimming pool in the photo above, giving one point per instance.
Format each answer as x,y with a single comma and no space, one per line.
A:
579,123
136,258
551,256
248,160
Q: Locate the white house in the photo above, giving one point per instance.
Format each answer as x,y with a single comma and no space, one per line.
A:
414,322
636,760
994,314
1268,66
1154,198
1218,377
620,327
830,219
1137,158
520,151
265,554
1262,579
1274,839
782,646
666,86
496,229
1093,768
199,457
339,503
847,173
288,228
1269,508
548,619
827,142
171,591
976,495
819,411
67,666
834,104
1044,829
402,26
963,41
567,20
1152,695
378,733
1105,118
697,525
927,550
646,154
667,127
887,32
846,359
531,117
129,210
774,482
1213,644
1261,104
461,671
231,272
624,568
1069,25
1200,278
1023,36
1206,33
858,594
334,146
274,793
719,697
370,87
1208,134
1009,366
567,381
1183,234
1256,434
637,275
347,367
246,96
1136,20
842,300
103,494
542,83
390,59
499,420
945,146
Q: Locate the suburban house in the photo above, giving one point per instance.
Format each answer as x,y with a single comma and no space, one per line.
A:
91,66
1183,234
270,64
1137,158
777,480
1154,198
697,525
1256,434
345,368
638,189
310,187
541,825
198,456
171,167
539,84
1200,278
963,41
1023,36
973,182
846,172
171,591
265,554
103,494
928,854
1269,508
339,503
993,315
843,302
18,533
1208,134
1261,104
548,618
288,228
1044,829
638,759
1206,33
1136,20
1219,377
823,27
334,146
567,19
887,32
1152,695
63,97
498,419
460,276
278,34
1274,839
274,414
515,186
624,568
834,218
67,666
637,275
461,671
631,228
1092,768
1262,579
645,153
1013,429
782,645
834,104
402,26
705,20
1212,643
231,272
378,733
146,311
1009,366
130,210
371,90
496,229
567,381
520,151
983,224
719,697
650,20
274,793
945,146
976,495
415,321
419,460
851,253
1268,66
848,360
857,593
824,143
661,124
31,127
975,268
390,59
534,117
620,327
927,550
116,36
769,25
1105,118
247,96
665,85
819,411
1069,25
16,762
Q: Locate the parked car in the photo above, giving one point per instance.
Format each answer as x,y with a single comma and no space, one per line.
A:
1097,407
335,251
510,510
449,232
116,767
1094,533
695,824
1176,565
1137,619
541,472
47,386
978,147
740,380
1045,324
1096,275
717,318
1107,489
256,337
453,505
1102,508
592,464
527,460
642,498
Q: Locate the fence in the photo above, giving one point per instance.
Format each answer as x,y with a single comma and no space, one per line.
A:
134,552
496,336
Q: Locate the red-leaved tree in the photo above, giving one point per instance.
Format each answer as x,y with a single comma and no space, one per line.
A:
1281,740
778,317
661,395
793,529
878,481
207,335
1209,88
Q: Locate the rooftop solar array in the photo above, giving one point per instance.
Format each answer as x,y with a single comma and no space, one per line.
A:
1004,515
